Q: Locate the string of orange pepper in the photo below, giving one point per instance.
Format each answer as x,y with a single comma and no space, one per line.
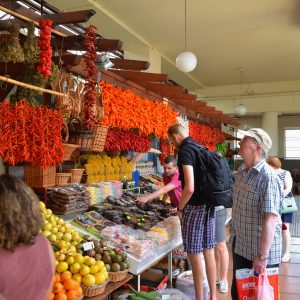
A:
126,110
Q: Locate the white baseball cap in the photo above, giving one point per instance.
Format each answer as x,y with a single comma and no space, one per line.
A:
261,137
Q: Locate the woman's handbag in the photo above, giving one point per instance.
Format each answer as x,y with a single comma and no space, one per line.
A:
289,205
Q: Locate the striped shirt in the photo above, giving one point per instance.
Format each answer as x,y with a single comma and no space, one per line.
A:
256,191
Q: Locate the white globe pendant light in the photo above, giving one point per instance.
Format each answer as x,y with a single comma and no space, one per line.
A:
186,61
241,110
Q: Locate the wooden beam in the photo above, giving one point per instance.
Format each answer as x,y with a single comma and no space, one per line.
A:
141,76
129,64
76,42
72,17
163,89
195,103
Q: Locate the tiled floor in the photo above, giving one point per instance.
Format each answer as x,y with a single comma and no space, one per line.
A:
289,276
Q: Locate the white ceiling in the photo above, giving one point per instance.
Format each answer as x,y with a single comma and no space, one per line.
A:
262,36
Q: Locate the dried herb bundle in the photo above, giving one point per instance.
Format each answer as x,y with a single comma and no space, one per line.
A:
31,48
11,49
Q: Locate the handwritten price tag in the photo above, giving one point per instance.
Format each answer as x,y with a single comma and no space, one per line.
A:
88,246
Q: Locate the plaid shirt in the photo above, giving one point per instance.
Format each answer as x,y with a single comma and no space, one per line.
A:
256,191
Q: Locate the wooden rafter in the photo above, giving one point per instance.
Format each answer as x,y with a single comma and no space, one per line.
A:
141,76
129,64
163,89
71,17
76,42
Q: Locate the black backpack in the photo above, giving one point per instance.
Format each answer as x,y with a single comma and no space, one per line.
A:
216,180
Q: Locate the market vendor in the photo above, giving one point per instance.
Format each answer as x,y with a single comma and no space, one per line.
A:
172,185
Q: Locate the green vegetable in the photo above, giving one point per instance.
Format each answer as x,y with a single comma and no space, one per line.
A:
144,295
134,297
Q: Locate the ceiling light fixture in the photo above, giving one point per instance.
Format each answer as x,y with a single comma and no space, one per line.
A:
186,61
241,109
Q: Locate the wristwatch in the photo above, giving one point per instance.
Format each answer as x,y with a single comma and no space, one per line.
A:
262,257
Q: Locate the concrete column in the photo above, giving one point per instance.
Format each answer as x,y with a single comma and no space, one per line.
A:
270,125
155,61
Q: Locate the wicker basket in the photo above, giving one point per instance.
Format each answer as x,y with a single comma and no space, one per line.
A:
100,134
117,276
69,149
83,138
62,178
37,177
76,175
93,290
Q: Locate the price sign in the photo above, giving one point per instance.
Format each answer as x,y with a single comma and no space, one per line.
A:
88,246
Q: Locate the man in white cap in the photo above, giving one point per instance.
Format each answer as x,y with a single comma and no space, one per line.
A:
257,197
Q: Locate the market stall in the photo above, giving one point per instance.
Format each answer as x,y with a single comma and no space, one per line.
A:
71,136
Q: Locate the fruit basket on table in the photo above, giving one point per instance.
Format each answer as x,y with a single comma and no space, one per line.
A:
94,290
117,276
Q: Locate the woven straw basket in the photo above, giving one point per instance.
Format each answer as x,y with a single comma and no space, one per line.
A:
62,178
117,276
100,134
93,290
37,177
76,175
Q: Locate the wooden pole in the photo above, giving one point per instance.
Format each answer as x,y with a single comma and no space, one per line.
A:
19,16
32,87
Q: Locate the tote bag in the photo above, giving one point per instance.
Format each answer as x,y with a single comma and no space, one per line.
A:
289,205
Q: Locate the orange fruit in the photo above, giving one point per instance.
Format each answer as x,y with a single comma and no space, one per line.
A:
57,287
79,291
65,275
56,278
71,284
52,296
61,296
72,295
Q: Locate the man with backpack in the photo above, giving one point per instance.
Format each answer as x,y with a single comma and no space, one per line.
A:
197,167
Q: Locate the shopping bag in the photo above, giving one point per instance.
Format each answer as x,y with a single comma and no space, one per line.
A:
264,290
289,205
247,283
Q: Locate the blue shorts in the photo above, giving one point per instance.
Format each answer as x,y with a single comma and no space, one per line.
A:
198,228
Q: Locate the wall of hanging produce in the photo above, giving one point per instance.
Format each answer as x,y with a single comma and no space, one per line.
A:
205,135
166,149
30,134
126,110
126,140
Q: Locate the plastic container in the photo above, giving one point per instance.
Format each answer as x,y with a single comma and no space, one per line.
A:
186,285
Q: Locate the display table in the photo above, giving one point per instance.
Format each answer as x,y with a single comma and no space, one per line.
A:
111,287
138,266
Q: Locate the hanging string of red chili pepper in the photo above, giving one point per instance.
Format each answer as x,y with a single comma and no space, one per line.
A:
125,140
165,148
90,93
30,134
44,43
205,135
